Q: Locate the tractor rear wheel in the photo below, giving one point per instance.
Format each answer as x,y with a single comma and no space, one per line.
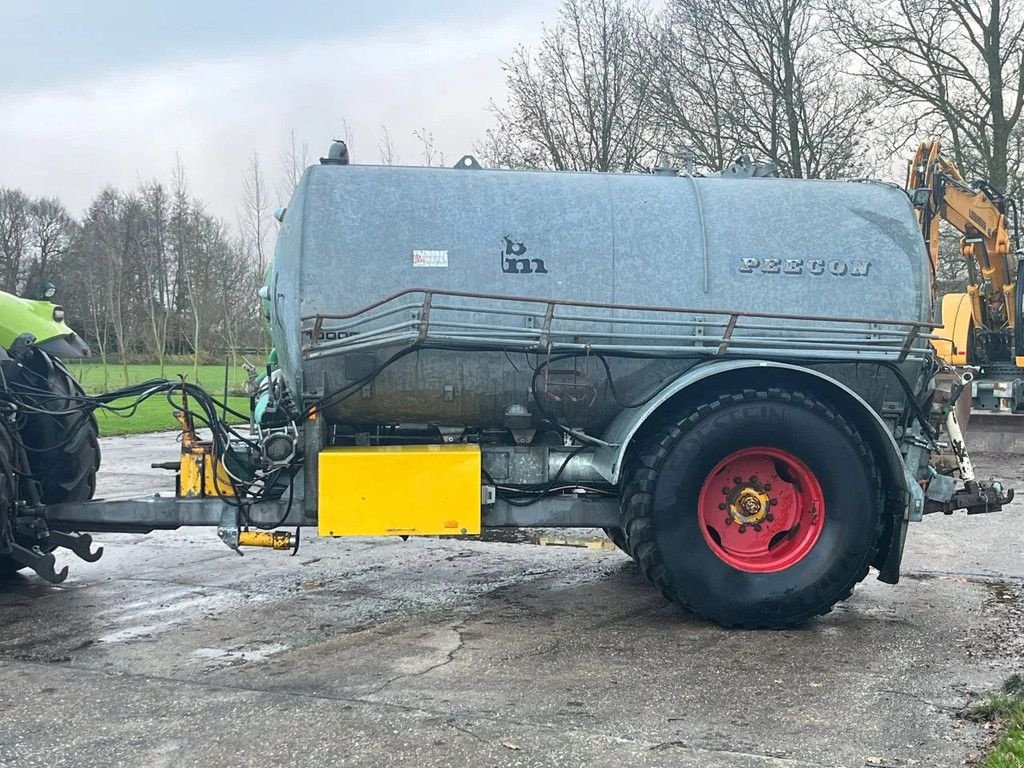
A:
7,565
63,448
758,509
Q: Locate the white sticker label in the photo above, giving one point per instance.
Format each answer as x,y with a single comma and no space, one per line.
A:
430,258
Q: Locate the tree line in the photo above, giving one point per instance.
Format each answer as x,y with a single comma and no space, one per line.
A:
146,273
820,88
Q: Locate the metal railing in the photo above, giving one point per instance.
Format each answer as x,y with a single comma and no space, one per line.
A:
527,324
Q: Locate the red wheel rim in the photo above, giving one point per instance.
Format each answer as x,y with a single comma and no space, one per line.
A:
761,510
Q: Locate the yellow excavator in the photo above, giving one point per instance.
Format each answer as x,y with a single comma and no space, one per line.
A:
979,328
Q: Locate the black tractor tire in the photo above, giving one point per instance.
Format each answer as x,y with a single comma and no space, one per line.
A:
660,508
618,538
63,449
7,565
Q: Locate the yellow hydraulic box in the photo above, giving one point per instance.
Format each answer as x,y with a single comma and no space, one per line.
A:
401,490
200,472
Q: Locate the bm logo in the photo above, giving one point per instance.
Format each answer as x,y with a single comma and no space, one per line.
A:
514,261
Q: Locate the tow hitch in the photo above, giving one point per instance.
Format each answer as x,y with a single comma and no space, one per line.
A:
975,497
30,543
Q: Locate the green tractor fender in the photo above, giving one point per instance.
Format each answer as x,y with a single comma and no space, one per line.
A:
44,320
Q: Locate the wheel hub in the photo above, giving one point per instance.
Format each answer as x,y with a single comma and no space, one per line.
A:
747,503
761,509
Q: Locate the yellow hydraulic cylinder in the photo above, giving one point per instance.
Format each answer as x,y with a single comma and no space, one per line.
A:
271,539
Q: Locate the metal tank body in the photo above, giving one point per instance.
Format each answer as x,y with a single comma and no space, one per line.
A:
355,235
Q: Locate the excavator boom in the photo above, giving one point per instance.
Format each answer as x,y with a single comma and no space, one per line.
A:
978,211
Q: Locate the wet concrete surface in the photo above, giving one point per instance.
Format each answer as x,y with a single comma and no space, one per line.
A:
173,651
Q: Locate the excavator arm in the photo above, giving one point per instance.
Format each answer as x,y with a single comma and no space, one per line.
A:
978,212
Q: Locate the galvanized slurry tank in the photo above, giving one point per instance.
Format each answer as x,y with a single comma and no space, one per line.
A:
732,378
354,235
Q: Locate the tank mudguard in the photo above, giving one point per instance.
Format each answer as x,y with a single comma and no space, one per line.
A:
609,458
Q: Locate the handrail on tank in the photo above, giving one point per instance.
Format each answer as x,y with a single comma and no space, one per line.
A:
896,341
430,292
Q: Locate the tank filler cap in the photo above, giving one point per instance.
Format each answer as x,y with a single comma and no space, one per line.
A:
337,154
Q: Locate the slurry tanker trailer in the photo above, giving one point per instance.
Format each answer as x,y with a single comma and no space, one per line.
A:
732,376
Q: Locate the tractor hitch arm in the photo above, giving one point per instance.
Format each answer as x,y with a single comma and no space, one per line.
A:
976,497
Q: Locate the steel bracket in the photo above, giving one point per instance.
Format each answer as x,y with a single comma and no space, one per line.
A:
227,530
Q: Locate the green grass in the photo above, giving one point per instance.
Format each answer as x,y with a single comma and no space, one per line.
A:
155,414
90,375
1006,708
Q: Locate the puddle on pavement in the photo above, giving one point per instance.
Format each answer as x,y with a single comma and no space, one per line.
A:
228,657
1003,591
547,537
144,619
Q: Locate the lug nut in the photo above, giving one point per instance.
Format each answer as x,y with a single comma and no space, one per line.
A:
723,506
743,528
769,517
773,502
757,527
728,521
767,486
737,479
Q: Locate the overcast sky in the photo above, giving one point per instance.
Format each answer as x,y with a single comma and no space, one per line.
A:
104,92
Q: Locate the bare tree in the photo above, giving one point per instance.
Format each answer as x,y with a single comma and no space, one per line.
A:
15,227
156,266
255,210
294,160
103,243
959,66
582,101
698,106
346,134
237,318
100,330
431,154
52,234
180,245
124,291
188,261
386,147
759,75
